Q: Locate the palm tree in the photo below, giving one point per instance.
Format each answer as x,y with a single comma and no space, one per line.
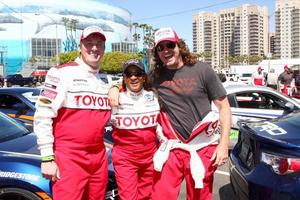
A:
136,36
143,27
149,36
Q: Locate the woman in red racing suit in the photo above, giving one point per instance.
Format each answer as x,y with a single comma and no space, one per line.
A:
135,142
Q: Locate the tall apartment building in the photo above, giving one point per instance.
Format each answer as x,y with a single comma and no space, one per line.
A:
271,43
287,29
239,31
228,35
205,36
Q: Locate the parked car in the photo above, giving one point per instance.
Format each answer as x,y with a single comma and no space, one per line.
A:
232,77
111,79
265,163
256,103
19,103
246,78
20,173
18,79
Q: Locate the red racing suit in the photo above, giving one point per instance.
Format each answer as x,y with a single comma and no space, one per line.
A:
190,126
69,122
135,125
196,151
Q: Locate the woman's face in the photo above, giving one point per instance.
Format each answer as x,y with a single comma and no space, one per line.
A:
134,78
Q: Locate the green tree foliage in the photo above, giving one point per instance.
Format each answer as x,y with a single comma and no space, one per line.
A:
112,62
67,56
240,59
254,59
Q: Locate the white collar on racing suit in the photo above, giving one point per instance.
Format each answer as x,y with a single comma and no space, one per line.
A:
134,95
85,66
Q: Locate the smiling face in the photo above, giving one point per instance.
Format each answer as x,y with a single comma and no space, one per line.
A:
169,54
92,49
134,78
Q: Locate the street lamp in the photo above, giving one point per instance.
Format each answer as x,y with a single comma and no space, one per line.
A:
56,36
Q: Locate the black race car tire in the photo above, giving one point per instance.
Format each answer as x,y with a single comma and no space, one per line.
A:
11,193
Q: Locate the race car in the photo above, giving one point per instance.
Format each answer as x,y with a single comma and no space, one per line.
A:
19,103
256,103
265,163
20,173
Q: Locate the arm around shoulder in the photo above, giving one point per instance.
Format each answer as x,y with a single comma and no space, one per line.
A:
113,95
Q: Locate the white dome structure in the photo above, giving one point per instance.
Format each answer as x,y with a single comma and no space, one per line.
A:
35,28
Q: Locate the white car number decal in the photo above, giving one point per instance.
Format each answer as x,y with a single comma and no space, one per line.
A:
272,129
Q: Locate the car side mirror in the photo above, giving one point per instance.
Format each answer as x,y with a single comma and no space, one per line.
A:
289,106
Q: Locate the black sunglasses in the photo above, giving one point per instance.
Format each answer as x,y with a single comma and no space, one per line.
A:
169,45
129,74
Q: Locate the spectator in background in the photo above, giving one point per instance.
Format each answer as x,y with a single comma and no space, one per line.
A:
258,77
222,77
285,80
297,83
1,81
272,79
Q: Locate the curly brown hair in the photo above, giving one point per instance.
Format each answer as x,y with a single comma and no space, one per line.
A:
188,58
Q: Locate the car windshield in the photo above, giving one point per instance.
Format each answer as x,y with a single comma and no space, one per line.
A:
246,75
32,96
10,128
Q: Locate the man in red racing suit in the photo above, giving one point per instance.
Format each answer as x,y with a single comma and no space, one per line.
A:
195,145
69,122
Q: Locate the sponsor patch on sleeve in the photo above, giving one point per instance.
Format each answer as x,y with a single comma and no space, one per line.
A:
45,101
53,79
48,93
48,85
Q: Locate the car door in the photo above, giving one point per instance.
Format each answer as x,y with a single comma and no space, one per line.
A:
256,106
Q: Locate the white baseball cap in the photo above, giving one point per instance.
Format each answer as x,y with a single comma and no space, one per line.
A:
92,30
165,34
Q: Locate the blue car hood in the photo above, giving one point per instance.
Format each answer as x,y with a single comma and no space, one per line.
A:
24,144
284,130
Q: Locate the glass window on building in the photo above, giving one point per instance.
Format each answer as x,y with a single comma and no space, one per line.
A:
44,47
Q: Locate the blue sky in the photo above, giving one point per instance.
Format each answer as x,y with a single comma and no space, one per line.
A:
161,13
